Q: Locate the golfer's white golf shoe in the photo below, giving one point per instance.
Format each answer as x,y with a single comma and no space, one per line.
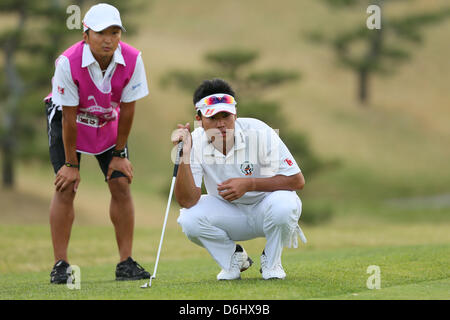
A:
276,272
240,262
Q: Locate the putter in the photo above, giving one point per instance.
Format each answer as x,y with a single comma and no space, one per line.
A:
175,171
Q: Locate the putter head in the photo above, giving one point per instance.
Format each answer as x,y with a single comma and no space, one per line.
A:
147,284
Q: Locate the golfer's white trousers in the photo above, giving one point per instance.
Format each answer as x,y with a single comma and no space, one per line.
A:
216,224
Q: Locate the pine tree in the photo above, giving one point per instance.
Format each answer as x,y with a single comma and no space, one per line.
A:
384,49
234,66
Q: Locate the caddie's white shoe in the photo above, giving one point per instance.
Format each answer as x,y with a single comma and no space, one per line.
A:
240,262
276,272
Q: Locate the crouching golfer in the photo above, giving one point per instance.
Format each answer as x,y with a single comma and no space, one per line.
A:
250,177
96,84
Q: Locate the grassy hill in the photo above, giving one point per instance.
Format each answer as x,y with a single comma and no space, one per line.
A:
394,148
401,134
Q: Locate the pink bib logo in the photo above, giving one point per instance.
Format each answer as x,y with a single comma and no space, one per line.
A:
107,114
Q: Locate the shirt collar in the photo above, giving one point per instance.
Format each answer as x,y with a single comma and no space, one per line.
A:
88,58
239,136
239,142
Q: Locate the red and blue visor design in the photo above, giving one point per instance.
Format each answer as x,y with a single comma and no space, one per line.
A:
215,103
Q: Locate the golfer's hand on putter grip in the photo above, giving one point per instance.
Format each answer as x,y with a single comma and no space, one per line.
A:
66,177
120,164
183,133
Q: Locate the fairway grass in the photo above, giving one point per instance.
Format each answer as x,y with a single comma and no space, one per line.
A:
186,271
392,168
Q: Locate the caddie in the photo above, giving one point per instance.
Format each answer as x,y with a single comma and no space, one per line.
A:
90,111
250,177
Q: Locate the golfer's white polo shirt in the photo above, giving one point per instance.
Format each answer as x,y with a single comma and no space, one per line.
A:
258,152
136,89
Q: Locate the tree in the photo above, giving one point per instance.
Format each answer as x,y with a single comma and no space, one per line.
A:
383,49
250,87
19,76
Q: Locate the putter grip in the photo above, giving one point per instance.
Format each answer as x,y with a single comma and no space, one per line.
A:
177,159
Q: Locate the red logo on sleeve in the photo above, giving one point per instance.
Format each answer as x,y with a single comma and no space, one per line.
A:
289,162
60,90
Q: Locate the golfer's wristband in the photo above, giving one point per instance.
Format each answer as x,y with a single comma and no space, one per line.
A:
70,165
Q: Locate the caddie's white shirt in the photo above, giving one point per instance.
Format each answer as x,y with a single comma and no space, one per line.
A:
258,152
136,89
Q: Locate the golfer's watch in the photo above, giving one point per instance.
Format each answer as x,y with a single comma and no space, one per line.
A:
119,153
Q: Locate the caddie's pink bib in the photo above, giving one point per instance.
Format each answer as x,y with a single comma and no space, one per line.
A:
98,112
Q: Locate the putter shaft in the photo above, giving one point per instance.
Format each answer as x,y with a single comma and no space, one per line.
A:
172,186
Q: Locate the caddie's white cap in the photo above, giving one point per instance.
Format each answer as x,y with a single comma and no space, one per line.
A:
215,103
101,16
